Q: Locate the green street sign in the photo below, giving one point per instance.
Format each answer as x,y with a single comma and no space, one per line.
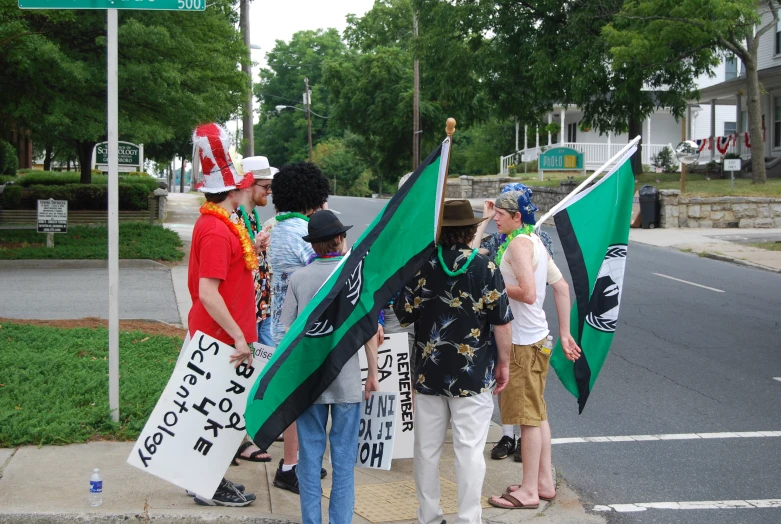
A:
160,5
561,159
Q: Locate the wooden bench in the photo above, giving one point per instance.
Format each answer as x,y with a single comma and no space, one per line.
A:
28,218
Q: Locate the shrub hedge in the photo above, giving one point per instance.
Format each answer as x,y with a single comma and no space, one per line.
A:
9,160
54,178
80,197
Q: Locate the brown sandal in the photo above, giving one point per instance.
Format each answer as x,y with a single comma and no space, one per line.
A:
516,487
516,504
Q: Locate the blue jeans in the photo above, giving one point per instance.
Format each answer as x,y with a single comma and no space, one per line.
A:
264,332
344,450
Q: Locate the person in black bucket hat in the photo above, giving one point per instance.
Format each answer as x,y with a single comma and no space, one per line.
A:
341,400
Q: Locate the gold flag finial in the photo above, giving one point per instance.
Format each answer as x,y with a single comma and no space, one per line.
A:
450,128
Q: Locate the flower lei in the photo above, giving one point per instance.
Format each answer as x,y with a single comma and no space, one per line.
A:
250,257
459,271
285,216
527,229
244,216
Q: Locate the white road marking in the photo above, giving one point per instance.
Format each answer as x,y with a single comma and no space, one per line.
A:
690,283
694,504
777,378
668,436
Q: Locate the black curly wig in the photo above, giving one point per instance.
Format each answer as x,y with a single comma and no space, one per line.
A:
299,187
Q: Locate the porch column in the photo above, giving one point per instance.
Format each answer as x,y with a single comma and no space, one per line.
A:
563,124
537,139
768,114
647,142
516,134
739,124
713,129
550,121
609,145
525,136
688,129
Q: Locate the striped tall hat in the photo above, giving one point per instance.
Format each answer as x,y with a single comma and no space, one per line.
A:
218,160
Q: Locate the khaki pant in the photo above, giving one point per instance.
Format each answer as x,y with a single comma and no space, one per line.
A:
522,401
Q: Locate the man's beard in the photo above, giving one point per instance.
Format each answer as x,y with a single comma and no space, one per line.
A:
262,201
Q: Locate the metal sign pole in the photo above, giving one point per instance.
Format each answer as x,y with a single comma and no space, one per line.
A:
732,181
113,218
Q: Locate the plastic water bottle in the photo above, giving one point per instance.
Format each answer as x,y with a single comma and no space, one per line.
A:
547,346
95,489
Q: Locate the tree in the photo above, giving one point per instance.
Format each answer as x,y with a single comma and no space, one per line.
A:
697,28
169,78
282,137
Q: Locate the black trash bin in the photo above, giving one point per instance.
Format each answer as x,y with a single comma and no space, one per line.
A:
649,206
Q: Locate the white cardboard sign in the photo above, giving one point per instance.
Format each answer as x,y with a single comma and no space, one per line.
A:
395,376
198,423
731,164
377,431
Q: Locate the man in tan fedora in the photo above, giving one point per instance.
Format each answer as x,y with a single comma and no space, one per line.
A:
453,302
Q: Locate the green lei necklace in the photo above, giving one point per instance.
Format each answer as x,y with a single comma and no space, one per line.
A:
244,215
285,216
527,229
459,271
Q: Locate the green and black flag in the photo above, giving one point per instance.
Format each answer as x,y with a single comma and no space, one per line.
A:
344,312
594,231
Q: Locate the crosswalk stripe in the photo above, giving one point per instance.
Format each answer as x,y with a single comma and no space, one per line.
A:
695,504
668,436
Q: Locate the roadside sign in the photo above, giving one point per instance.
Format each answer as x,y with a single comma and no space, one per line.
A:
159,5
731,164
131,157
52,216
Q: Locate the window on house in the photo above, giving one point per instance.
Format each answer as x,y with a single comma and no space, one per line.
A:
778,38
730,128
730,68
777,122
572,132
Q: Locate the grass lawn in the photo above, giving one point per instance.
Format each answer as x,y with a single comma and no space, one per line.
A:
54,383
772,246
136,240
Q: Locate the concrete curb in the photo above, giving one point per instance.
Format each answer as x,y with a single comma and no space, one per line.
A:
738,261
66,518
124,263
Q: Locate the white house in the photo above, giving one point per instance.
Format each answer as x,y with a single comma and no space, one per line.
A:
729,95
659,130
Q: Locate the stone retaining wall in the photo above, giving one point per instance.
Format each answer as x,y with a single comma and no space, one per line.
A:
489,187
718,212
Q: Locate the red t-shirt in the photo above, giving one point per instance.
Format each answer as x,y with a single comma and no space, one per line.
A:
216,253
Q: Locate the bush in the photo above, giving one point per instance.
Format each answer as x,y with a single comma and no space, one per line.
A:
80,197
53,178
9,159
665,160
7,178
12,197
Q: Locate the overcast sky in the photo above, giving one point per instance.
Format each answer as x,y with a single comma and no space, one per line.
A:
272,20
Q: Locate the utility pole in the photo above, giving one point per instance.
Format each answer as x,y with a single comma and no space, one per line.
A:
415,101
308,102
248,133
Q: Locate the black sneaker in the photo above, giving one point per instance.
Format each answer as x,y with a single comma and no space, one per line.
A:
227,494
517,454
286,479
504,447
239,487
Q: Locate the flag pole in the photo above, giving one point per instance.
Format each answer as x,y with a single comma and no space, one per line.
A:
583,184
450,128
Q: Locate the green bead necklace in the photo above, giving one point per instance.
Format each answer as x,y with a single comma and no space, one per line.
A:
245,216
459,271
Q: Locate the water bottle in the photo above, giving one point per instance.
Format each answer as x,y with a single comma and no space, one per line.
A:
547,346
95,489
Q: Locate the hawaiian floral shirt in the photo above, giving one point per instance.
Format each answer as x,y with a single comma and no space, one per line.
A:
261,275
453,318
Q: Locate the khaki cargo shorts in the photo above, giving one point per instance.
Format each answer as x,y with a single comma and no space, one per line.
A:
522,402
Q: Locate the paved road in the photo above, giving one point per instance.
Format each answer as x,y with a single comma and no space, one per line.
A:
51,294
685,359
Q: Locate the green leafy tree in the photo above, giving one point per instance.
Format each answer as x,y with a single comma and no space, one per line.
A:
282,136
691,32
342,165
170,75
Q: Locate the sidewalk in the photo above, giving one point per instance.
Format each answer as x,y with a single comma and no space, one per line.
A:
50,484
181,215
728,245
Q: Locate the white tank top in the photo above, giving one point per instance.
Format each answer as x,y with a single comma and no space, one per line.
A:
529,322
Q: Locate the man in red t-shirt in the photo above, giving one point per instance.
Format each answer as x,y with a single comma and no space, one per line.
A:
222,259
